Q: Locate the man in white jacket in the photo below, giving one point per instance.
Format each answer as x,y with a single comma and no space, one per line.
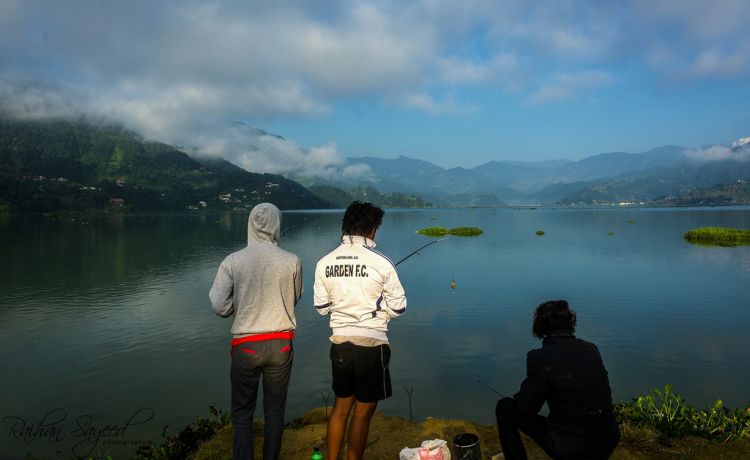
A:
359,288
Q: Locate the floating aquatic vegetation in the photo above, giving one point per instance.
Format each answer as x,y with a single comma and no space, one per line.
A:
433,231
465,231
631,221
456,231
610,233
718,236
539,232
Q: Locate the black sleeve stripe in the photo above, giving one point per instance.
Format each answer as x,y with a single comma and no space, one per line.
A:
320,307
381,255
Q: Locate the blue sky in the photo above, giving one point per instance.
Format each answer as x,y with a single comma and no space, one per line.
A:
454,83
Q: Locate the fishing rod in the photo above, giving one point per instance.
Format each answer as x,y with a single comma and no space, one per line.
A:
428,244
490,388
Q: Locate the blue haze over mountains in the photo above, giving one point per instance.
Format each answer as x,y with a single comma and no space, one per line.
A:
514,181
608,177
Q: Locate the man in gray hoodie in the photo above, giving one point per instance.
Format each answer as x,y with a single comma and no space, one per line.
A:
260,286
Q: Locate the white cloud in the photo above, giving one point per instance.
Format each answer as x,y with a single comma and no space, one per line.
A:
553,38
717,153
697,19
717,62
368,51
173,69
570,85
293,58
271,59
695,38
427,103
9,10
258,151
251,48
168,117
457,71
25,99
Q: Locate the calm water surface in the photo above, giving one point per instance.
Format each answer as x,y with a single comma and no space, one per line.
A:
103,316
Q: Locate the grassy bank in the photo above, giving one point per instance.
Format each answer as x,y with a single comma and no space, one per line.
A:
388,435
660,425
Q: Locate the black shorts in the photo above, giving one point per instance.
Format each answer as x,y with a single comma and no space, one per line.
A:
361,372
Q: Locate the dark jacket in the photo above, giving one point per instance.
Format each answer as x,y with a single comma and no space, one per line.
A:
568,374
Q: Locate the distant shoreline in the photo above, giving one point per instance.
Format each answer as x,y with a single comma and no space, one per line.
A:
114,212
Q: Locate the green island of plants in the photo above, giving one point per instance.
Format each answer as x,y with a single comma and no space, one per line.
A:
718,236
539,232
456,231
465,231
433,231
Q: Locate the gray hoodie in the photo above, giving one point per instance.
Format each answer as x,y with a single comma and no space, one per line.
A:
260,284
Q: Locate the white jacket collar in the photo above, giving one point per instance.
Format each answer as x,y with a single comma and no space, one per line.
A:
355,239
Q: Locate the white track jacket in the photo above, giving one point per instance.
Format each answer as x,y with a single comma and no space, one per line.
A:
359,287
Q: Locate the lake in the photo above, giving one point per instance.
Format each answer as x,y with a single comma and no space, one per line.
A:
105,320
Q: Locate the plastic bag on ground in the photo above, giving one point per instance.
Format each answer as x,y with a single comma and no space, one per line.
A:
433,449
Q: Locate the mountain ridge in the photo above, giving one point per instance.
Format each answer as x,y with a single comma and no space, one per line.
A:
53,165
508,181
83,165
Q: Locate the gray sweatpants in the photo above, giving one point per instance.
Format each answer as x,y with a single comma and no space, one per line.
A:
273,360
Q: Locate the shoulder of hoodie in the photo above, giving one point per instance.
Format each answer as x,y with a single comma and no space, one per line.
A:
280,253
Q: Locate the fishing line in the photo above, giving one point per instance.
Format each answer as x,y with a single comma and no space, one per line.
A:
491,389
428,244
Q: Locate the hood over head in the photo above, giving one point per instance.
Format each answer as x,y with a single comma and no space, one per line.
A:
264,224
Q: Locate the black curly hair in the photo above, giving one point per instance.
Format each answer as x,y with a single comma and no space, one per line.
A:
360,218
554,316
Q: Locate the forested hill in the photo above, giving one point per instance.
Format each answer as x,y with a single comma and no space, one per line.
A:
58,165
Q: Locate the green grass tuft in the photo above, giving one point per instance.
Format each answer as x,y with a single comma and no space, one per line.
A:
539,232
718,236
638,436
185,443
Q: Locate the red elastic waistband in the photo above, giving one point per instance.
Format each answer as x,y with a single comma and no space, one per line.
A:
260,337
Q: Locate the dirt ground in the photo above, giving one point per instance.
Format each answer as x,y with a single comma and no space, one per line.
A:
388,435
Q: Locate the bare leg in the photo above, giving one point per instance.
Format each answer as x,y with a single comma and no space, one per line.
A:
337,425
359,428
